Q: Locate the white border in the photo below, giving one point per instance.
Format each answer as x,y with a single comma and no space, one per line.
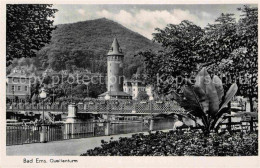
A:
122,162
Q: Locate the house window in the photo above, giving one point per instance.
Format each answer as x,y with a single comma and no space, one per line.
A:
19,88
12,88
26,88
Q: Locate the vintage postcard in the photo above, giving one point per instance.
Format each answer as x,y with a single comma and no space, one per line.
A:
129,84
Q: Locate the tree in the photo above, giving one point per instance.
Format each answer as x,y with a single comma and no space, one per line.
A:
27,99
142,96
8,100
245,62
227,48
230,50
35,87
28,29
219,41
35,98
178,57
96,89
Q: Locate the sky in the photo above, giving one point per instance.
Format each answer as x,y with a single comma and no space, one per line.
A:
143,19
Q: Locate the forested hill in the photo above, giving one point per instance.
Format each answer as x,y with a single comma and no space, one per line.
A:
85,44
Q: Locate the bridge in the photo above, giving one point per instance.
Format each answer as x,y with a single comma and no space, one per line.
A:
100,107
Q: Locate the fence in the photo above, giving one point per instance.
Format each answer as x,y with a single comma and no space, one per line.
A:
243,125
115,106
16,135
20,134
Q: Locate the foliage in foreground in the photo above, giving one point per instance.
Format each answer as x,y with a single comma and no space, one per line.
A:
206,99
182,144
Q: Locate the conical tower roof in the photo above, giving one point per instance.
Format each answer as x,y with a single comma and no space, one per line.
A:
115,48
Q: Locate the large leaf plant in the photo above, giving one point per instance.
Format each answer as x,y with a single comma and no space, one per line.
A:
206,100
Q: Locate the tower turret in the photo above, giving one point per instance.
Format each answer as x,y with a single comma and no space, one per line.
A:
115,78
115,58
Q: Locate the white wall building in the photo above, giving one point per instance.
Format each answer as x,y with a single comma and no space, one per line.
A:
134,87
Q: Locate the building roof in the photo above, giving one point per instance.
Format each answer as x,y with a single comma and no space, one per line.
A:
138,83
127,83
115,49
113,93
18,75
18,72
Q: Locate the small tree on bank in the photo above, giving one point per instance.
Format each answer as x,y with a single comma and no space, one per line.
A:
142,96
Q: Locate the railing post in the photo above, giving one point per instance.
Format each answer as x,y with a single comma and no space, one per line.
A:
43,134
72,120
251,124
151,124
107,128
229,118
151,107
134,107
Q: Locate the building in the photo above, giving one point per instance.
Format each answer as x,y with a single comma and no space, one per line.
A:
149,91
137,87
134,87
18,85
127,87
115,78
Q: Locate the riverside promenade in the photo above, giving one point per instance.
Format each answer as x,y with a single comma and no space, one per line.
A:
72,147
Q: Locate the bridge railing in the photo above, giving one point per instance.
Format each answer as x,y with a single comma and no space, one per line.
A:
102,106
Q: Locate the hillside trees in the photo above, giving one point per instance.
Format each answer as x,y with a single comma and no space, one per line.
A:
86,45
28,29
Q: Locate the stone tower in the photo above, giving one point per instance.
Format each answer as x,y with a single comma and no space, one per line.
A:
115,59
115,78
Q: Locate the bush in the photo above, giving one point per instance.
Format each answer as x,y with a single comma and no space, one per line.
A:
180,144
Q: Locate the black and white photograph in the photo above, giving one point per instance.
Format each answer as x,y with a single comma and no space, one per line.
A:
128,79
